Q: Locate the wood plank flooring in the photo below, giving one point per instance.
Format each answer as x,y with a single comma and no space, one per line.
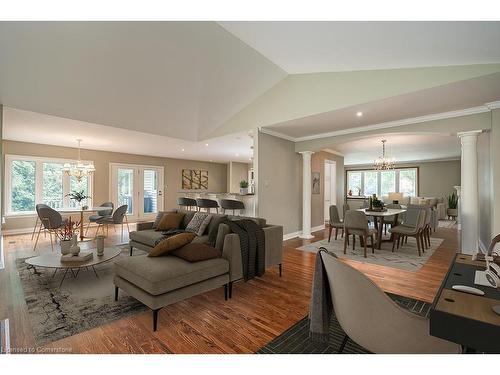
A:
260,309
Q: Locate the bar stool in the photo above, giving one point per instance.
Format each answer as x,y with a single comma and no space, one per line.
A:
231,204
207,204
186,202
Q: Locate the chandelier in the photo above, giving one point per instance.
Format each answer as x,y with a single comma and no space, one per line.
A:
383,163
80,169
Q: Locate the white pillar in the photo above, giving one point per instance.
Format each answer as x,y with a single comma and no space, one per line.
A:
469,196
457,188
306,195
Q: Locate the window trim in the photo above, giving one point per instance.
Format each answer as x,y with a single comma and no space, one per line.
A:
397,169
38,182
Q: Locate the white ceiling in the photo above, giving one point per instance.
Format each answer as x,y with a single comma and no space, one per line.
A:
311,47
175,79
404,148
33,127
460,95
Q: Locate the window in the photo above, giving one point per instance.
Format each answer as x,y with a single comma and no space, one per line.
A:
32,180
368,182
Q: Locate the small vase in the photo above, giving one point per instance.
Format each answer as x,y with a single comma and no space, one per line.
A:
65,247
100,245
75,249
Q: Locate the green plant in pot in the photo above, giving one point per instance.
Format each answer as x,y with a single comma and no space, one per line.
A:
243,187
452,210
377,204
79,196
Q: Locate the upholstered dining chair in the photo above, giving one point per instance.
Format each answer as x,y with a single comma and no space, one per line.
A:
50,221
335,222
372,319
356,223
405,230
100,214
118,217
390,221
37,208
346,208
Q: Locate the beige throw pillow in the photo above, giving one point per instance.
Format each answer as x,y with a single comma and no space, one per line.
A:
171,243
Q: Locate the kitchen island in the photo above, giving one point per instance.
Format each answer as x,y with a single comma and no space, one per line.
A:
248,200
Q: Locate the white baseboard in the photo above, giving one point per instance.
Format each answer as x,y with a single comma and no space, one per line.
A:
12,232
289,236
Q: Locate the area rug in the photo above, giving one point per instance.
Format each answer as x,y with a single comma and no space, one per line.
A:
405,258
447,224
79,305
295,340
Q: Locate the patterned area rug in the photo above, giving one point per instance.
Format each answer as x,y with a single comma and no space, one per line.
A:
406,258
296,340
447,224
79,305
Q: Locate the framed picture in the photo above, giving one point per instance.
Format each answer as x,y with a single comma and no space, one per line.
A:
194,179
316,182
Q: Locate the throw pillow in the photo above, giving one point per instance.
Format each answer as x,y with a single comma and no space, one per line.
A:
171,243
199,223
170,221
196,252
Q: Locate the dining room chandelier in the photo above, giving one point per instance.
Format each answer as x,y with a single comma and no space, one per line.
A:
78,169
383,163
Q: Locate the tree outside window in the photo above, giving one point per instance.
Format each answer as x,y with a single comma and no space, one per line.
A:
23,186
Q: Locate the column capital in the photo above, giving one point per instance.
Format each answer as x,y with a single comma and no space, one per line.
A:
306,152
472,133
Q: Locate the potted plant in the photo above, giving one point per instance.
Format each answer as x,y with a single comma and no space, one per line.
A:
243,187
452,210
79,196
66,234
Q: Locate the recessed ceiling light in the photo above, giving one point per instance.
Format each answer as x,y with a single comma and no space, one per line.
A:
206,144
182,150
359,113
237,154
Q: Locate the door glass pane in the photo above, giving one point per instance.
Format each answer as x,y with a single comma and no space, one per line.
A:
126,188
23,186
52,190
371,179
354,182
408,182
387,182
150,191
81,186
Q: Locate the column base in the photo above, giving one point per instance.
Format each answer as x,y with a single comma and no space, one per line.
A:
306,236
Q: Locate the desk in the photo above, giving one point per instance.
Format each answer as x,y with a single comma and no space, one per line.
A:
463,318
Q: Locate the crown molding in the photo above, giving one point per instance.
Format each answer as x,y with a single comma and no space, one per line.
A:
329,150
396,123
277,134
403,163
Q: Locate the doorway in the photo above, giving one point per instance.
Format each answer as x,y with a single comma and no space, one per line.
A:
330,187
140,187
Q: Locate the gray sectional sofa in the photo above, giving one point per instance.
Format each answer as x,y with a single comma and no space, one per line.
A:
161,281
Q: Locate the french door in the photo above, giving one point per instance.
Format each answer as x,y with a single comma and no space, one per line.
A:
140,187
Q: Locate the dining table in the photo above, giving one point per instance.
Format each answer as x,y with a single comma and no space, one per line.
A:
379,221
81,211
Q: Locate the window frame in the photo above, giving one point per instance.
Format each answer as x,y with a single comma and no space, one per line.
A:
379,180
39,161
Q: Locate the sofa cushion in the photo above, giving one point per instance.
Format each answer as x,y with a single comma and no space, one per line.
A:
147,237
196,252
171,243
171,220
163,274
199,223
201,239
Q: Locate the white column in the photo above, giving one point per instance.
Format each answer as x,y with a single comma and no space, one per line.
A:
306,194
457,188
469,196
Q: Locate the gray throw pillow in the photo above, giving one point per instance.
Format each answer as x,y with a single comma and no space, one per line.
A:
199,223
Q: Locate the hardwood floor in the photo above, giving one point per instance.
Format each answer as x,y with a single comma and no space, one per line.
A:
260,309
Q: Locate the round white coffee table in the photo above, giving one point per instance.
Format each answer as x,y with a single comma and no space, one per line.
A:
54,261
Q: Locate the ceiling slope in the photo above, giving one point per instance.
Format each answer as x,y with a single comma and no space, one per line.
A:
176,79
303,95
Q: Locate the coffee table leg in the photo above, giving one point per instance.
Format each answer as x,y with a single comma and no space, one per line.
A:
64,276
380,230
54,274
96,275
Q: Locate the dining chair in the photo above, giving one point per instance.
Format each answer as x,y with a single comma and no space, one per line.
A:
335,222
51,221
100,214
346,208
118,217
358,302
37,207
356,223
402,231
391,220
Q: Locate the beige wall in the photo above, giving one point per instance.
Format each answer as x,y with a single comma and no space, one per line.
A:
217,180
318,200
495,170
484,189
279,183
236,173
436,178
